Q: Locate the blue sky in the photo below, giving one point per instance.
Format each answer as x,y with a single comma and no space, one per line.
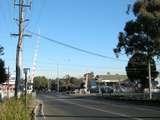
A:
92,25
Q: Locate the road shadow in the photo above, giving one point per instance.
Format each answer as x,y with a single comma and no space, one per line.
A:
94,116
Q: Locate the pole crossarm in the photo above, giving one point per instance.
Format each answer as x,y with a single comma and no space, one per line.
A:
22,5
26,20
24,35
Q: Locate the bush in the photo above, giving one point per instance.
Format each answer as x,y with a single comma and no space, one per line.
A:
13,109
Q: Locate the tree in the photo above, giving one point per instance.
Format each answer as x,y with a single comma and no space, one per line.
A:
53,84
3,75
137,70
142,34
40,83
89,75
70,82
1,50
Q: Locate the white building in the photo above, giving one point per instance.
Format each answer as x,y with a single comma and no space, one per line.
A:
7,89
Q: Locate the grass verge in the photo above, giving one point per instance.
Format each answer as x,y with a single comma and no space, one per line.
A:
15,109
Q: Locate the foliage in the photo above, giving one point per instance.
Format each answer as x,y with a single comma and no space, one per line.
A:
1,50
3,75
14,109
40,83
66,83
82,86
137,69
142,34
53,84
69,82
90,75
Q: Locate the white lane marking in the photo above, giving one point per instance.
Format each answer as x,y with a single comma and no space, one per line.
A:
40,108
101,110
44,118
124,106
35,112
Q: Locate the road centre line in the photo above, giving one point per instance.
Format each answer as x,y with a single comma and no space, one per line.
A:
137,108
43,111
101,110
112,104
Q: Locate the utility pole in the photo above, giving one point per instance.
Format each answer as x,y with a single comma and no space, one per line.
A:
57,78
26,72
149,68
150,79
21,5
86,82
48,85
8,86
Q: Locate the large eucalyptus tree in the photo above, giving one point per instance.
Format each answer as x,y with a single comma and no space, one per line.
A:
142,33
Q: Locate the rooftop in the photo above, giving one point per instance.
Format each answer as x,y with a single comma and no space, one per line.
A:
113,77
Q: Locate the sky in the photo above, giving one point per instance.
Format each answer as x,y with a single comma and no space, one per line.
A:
92,25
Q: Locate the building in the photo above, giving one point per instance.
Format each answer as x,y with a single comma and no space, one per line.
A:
110,80
88,77
7,89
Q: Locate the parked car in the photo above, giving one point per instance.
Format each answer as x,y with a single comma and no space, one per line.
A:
107,89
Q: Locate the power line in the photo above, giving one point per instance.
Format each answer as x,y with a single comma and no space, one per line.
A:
77,65
75,48
40,13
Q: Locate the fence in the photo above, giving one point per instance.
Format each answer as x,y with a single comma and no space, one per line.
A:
133,95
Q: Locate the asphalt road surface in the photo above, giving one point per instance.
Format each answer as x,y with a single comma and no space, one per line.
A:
93,108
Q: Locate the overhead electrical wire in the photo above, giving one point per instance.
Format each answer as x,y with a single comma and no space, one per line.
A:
43,3
40,12
77,66
73,47
76,48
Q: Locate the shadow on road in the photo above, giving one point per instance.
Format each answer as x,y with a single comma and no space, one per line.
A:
80,116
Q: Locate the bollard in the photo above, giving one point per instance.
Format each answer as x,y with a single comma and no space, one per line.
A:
40,109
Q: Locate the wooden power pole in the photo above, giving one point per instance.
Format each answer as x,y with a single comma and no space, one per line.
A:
19,70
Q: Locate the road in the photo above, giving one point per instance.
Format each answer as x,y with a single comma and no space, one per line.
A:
93,108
